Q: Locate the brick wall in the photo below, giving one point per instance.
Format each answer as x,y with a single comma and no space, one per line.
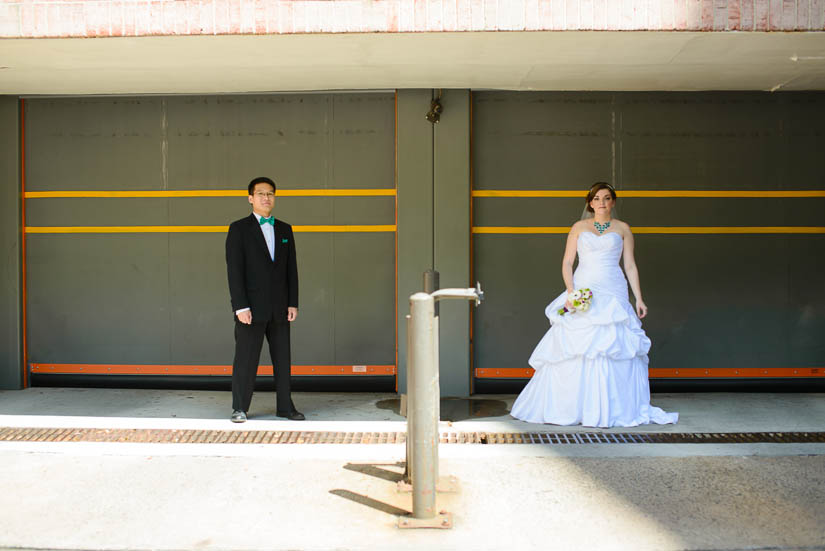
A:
103,18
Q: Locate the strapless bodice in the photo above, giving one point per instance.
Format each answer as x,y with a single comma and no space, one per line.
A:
598,267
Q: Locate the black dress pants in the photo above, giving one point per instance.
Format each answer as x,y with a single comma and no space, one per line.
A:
248,343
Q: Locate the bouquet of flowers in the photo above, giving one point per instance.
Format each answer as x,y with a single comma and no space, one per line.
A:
580,299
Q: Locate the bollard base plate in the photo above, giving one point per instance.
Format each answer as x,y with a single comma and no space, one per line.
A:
443,520
445,485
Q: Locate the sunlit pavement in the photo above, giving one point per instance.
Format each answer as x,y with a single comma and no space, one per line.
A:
92,495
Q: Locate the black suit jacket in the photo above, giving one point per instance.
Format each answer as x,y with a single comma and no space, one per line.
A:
255,281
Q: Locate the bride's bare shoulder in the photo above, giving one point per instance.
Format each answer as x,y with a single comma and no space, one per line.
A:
578,226
621,224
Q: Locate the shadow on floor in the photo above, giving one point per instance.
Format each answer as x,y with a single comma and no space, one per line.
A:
457,409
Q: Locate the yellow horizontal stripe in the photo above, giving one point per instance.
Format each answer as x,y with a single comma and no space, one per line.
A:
527,193
199,229
521,229
657,229
731,229
641,193
208,193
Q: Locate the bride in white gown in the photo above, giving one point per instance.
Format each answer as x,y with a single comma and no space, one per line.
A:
591,367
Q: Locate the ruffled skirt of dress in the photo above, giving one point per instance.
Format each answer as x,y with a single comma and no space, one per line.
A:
591,369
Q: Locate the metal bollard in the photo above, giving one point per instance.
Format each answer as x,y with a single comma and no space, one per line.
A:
423,406
423,409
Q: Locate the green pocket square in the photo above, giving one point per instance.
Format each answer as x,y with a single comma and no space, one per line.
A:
284,240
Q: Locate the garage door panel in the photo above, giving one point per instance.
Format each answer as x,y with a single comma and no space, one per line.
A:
363,286
94,144
538,141
201,312
98,212
98,296
521,275
363,141
156,266
219,142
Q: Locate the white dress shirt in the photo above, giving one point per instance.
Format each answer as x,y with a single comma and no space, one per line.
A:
269,235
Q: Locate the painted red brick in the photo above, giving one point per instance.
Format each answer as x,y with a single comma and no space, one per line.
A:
626,15
586,14
570,11
129,14
746,15
614,15
666,12
720,15
680,15
464,15
531,15
326,15
789,15
654,15
105,17
546,14
53,26
56,18
420,15
490,15
694,15
817,16
449,15
761,15
734,21
434,20
261,20
40,19
514,15
707,15
558,8
406,17
775,15
802,13
10,19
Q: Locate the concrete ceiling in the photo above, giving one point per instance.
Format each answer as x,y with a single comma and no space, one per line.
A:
679,61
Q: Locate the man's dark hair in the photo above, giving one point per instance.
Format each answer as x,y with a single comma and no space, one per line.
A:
261,180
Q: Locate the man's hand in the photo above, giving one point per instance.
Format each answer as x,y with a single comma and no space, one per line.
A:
245,317
291,313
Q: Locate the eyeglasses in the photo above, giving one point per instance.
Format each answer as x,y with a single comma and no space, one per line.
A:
264,194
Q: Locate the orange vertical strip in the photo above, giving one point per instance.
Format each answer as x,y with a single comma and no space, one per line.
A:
396,239
472,272
23,237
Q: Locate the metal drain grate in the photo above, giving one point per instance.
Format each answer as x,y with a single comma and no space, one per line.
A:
190,436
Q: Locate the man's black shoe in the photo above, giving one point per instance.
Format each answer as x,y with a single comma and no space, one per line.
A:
293,415
238,416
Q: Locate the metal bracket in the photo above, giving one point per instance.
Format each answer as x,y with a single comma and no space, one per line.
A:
442,520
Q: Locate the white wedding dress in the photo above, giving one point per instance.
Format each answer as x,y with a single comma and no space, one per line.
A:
591,367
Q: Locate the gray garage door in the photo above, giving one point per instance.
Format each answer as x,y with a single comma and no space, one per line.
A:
127,204
725,194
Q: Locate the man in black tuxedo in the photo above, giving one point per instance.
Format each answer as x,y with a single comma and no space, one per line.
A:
263,287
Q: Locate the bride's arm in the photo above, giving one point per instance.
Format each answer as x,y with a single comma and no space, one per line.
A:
632,272
569,257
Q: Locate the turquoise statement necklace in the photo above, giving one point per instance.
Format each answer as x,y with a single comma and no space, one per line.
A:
601,227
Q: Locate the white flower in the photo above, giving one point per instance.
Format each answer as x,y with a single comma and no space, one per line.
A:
574,296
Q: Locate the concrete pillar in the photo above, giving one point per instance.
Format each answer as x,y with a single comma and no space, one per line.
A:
434,222
415,207
451,204
11,281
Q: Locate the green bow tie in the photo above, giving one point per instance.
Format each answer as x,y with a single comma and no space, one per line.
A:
270,220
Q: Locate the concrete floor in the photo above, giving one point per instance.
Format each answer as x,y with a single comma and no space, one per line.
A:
633,496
